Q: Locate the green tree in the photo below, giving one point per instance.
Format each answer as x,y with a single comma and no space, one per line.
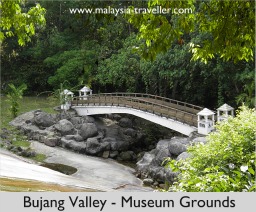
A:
226,162
13,97
15,22
229,27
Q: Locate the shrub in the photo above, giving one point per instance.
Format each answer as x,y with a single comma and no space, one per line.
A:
226,162
13,96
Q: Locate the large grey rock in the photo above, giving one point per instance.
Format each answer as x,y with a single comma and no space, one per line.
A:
65,143
43,119
161,155
197,140
65,127
22,119
88,130
128,156
73,145
144,163
183,156
157,173
176,148
130,132
94,146
117,145
181,140
148,182
77,120
162,144
76,137
78,146
125,122
51,141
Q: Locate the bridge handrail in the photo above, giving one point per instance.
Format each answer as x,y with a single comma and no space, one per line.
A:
128,98
180,103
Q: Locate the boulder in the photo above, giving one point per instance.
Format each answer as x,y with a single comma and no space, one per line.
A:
78,147
116,145
43,119
88,130
77,120
51,141
22,119
128,156
148,182
65,127
176,148
76,137
106,154
157,173
160,156
144,163
113,154
125,122
170,176
130,132
197,140
183,156
73,145
65,143
94,146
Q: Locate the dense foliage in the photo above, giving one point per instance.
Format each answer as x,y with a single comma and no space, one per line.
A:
14,21
230,26
104,52
226,163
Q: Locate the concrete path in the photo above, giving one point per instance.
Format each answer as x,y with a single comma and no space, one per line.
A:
93,172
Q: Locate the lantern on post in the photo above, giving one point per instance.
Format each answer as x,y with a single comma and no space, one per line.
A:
205,121
66,96
224,111
84,92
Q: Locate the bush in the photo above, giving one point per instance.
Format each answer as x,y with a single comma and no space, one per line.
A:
13,96
226,162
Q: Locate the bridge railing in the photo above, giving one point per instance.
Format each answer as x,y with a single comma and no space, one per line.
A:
143,102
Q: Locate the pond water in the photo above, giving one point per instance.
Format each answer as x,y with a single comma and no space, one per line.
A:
68,170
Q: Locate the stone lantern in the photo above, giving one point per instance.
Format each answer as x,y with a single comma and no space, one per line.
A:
224,111
66,97
84,92
205,121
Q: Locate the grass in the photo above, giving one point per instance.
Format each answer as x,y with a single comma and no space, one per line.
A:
27,104
39,158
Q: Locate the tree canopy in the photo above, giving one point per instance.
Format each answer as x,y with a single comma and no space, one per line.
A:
104,51
228,28
15,22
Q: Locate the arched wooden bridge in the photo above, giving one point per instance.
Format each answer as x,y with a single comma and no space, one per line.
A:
173,114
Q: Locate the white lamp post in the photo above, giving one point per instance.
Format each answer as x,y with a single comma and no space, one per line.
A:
66,96
224,111
205,121
83,93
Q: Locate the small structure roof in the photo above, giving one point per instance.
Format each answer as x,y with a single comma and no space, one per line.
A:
66,92
205,112
225,107
85,89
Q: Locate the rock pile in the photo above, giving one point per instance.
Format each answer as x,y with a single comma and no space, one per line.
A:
150,167
81,134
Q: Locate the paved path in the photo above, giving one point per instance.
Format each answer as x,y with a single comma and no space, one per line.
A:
93,172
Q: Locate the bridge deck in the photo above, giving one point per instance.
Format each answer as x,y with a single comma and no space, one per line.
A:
169,108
